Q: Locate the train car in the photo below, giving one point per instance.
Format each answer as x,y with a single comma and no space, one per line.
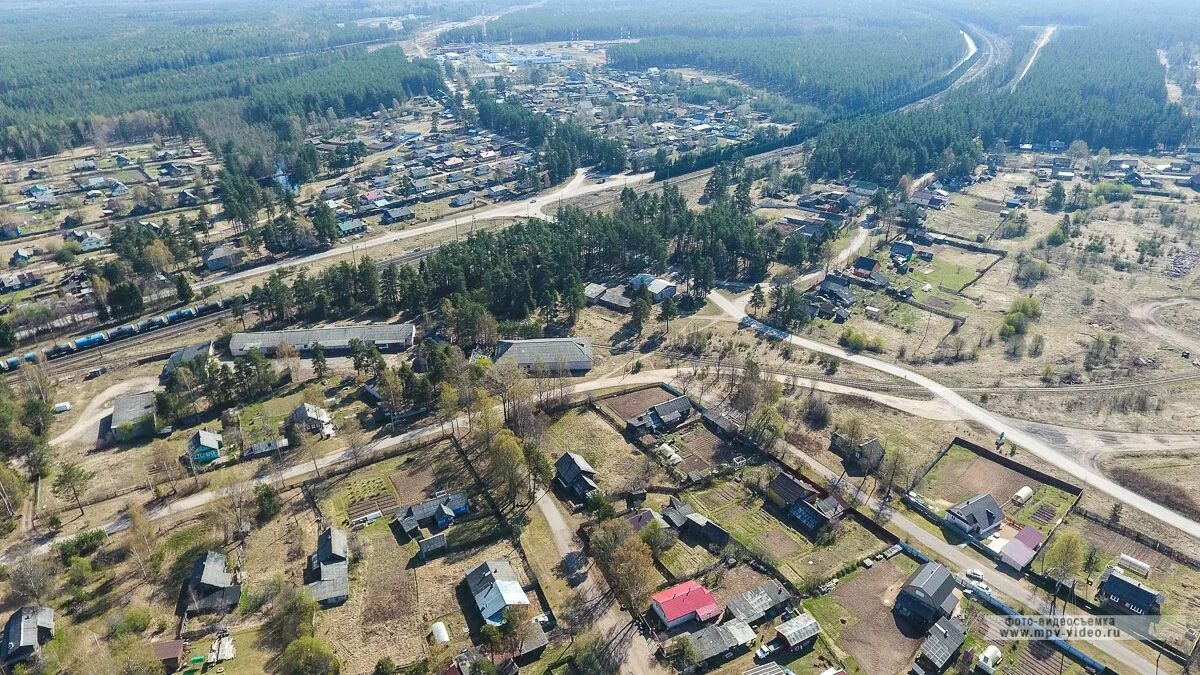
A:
152,324
31,357
208,308
94,340
122,332
11,364
180,315
58,351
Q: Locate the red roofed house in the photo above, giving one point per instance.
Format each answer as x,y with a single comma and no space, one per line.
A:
680,604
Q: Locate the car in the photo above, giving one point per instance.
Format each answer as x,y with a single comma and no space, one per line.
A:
974,574
533,201
980,587
766,650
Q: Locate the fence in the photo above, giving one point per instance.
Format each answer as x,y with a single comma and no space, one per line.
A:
1143,539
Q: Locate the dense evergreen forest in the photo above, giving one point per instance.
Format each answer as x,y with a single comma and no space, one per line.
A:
586,19
817,68
121,72
1101,84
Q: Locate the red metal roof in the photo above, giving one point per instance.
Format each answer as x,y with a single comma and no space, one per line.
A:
679,601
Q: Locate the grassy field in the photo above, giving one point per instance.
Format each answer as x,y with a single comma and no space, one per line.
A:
960,474
683,560
253,657
743,514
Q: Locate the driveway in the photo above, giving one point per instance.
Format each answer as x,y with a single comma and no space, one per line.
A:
614,624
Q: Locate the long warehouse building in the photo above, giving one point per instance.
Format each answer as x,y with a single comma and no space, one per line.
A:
387,337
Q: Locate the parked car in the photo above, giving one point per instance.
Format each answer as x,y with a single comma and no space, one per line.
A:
766,650
974,574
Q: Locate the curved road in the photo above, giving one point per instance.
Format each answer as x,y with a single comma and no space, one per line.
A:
534,208
1144,314
996,423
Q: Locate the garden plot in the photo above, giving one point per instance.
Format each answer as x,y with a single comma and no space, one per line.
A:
960,474
700,448
743,514
879,641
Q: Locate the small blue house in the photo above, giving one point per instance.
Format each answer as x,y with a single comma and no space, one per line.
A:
205,447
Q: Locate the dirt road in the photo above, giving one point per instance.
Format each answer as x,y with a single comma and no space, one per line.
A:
625,641
1145,315
1047,33
1089,446
969,410
86,428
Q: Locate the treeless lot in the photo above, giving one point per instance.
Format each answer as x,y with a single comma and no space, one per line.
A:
619,465
880,642
961,474
633,404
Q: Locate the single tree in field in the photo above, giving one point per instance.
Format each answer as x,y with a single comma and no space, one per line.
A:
758,300
72,480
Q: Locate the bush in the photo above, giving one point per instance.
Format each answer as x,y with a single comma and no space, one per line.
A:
135,622
268,502
816,412
82,544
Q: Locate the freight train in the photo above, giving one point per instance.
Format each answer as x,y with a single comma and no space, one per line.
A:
88,342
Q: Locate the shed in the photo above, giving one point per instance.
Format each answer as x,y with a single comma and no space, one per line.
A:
798,631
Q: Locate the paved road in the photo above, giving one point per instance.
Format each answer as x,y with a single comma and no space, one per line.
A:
533,208
996,423
614,624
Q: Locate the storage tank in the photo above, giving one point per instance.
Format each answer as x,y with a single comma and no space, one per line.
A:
1022,495
440,634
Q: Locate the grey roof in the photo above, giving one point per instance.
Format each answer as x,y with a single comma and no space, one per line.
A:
798,629
188,355
432,544
328,574
21,633
980,512
789,489
337,337
209,570
575,473
671,411
933,586
211,588
712,641
411,516
677,512
754,604
332,546
1129,593
132,409
945,638
221,252
489,572
533,639
546,351
330,582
